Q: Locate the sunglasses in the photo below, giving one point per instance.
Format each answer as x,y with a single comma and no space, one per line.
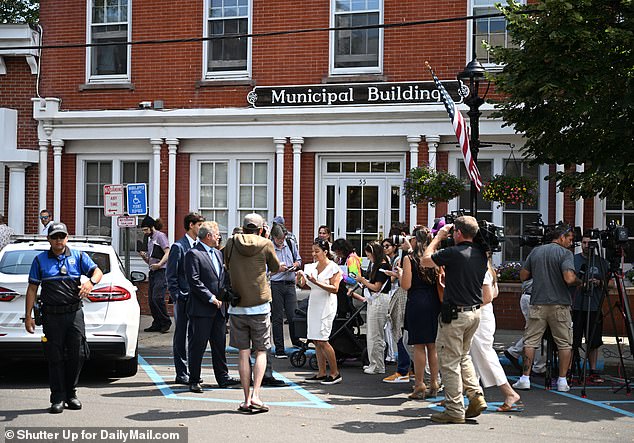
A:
58,236
44,217
387,245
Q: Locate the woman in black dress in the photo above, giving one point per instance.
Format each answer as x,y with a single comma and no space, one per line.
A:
421,314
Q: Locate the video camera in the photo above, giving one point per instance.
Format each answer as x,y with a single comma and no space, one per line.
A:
538,233
489,237
614,239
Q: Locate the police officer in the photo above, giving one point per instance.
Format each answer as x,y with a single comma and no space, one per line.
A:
59,270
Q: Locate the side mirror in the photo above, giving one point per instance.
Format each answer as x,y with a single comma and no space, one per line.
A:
137,276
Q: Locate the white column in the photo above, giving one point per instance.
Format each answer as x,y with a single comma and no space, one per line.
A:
58,146
579,204
559,200
413,141
172,146
43,175
155,200
280,142
297,158
432,147
17,193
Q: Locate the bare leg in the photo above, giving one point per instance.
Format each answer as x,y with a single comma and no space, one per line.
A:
420,359
592,357
510,396
244,369
321,358
330,356
527,361
565,355
258,372
432,358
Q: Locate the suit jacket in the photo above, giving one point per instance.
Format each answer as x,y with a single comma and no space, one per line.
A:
204,282
177,284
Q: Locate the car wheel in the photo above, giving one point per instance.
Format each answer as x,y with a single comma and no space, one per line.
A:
127,368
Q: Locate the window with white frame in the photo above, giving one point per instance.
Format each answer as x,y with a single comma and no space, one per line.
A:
517,216
230,189
485,208
621,213
109,22
489,29
133,172
97,174
227,55
356,51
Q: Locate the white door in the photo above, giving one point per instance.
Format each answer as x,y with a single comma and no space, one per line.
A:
363,215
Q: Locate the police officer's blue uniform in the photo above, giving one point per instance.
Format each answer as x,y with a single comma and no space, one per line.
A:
65,344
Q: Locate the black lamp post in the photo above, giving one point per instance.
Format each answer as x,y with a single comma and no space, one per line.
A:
473,75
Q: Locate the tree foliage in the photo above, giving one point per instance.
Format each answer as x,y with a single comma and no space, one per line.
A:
569,87
19,11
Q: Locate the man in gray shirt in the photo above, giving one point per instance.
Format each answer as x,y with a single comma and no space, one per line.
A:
552,268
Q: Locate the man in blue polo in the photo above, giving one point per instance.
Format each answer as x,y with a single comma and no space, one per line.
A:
59,271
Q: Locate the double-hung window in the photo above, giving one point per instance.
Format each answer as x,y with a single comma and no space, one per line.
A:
621,213
356,51
230,189
97,174
227,54
109,22
489,29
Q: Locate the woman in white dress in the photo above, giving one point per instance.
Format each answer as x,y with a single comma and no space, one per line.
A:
485,359
323,277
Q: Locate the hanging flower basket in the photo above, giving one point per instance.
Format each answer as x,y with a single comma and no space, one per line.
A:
426,185
506,189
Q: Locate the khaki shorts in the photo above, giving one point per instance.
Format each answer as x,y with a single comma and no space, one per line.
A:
557,317
250,331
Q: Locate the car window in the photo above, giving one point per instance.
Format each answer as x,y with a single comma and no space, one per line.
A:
19,262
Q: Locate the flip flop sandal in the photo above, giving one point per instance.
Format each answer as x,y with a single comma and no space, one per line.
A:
516,407
244,408
258,409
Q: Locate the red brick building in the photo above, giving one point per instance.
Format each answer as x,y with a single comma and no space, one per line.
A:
320,127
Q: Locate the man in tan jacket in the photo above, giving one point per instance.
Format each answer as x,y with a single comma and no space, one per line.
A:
247,257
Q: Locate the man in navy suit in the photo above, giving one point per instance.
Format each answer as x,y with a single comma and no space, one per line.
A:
179,291
206,277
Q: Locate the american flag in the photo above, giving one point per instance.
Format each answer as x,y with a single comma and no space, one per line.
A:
461,131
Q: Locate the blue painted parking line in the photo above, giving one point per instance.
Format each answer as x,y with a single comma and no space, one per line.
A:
309,399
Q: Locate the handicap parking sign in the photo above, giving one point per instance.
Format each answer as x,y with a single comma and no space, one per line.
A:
137,199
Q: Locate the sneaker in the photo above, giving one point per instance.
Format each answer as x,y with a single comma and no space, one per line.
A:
443,417
412,376
315,379
369,370
396,378
332,380
280,356
522,385
563,386
477,405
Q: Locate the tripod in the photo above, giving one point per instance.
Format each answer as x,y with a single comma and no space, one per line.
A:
621,305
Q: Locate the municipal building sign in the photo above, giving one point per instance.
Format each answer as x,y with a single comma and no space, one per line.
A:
351,94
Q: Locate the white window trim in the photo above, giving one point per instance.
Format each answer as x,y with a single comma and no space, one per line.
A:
225,75
488,66
110,79
498,159
324,178
331,47
232,181
116,178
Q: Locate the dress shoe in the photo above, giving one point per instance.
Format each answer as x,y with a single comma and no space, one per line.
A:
228,383
273,382
165,328
73,403
196,387
56,408
152,329
181,380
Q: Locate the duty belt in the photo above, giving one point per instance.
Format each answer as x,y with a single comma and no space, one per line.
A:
467,308
61,309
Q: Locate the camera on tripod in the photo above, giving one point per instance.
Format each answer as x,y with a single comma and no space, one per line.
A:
614,239
538,233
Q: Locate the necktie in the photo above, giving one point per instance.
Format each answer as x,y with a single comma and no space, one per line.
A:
214,260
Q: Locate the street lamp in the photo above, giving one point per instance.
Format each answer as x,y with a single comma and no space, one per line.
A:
473,75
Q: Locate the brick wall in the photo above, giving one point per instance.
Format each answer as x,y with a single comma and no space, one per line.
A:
182,193
306,233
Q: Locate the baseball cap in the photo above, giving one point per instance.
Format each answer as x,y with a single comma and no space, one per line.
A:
253,221
57,228
279,220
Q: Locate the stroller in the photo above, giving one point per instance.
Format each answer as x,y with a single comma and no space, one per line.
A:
346,337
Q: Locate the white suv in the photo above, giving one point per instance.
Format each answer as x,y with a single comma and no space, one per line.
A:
111,311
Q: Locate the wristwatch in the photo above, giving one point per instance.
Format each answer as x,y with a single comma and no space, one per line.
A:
92,282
